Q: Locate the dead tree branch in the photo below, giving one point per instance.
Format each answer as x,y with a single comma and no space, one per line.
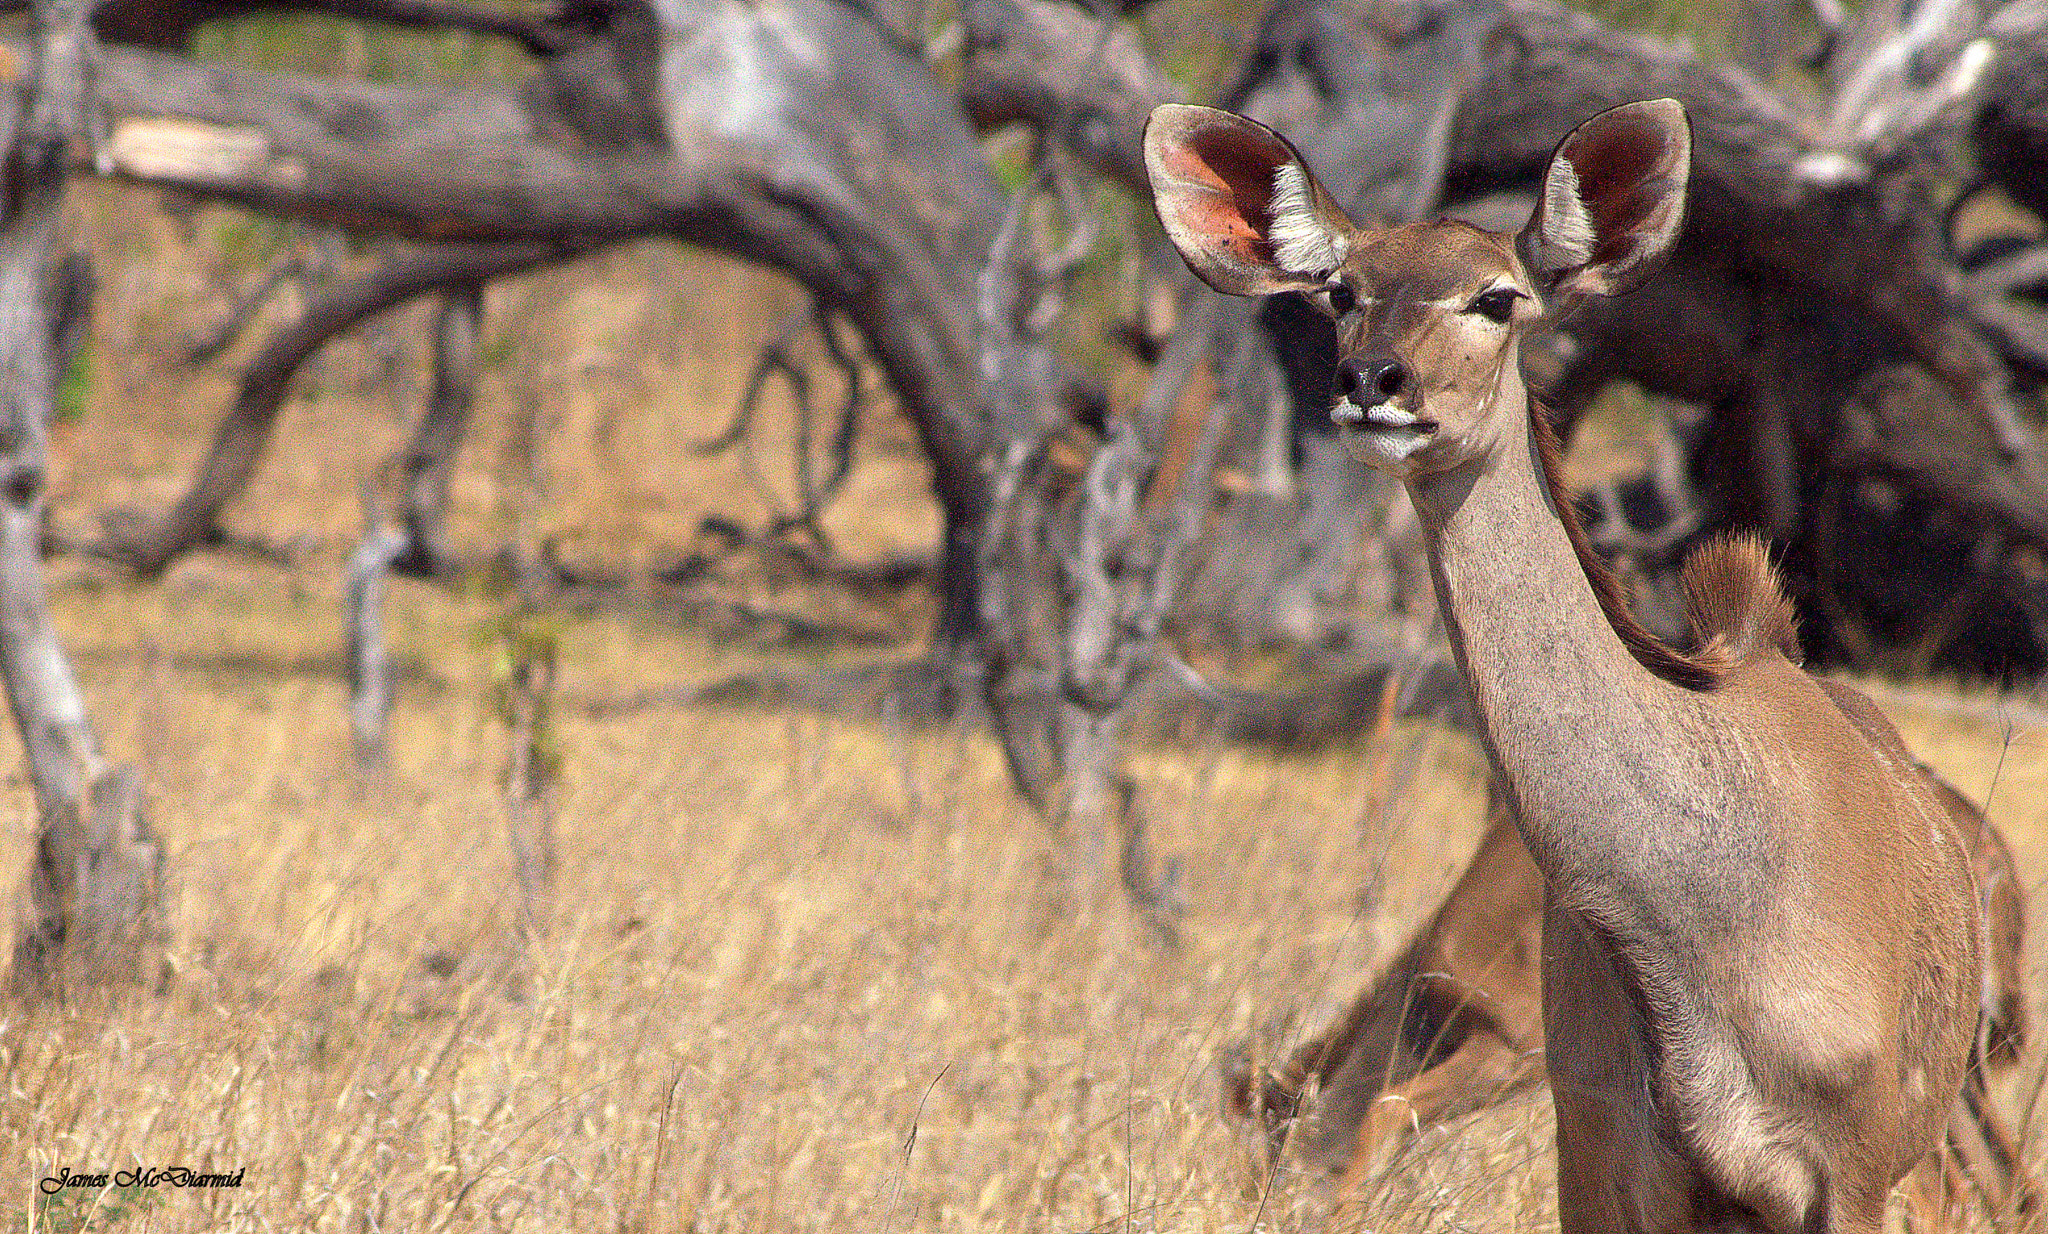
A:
365,657
169,27
240,438
779,357
1036,60
429,456
206,348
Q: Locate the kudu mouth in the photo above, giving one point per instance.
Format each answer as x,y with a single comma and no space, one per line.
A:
1380,435
1380,417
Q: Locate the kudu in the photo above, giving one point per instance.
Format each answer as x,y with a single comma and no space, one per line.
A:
1761,937
1454,1023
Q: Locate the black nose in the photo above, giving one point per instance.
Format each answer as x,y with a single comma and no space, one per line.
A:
1375,381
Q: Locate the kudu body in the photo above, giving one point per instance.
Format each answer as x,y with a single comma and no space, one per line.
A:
1454,1023
1761,939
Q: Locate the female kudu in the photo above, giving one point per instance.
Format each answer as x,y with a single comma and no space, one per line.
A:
1761,937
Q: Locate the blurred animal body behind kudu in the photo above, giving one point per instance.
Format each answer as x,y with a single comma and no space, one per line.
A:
1762,929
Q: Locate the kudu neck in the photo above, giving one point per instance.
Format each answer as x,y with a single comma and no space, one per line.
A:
1558,690
1506,568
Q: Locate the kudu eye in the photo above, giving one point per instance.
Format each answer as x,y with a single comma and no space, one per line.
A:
1496,306
1340,298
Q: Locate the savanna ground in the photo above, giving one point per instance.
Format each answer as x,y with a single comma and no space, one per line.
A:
797,970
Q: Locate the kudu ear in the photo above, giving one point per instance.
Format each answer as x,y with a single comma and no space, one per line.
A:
1613,201
1239,203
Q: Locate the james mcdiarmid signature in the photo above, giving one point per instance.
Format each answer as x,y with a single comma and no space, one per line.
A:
166,1176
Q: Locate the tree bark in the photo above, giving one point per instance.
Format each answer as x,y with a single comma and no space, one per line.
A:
1049,63
94,889
1765,203
169,27
365,657
428,458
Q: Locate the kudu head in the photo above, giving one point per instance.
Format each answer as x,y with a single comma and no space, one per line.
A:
1430,315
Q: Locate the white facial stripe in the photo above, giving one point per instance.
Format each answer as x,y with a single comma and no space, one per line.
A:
1301,243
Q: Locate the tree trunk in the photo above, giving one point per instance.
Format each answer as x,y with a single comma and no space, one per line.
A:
93,891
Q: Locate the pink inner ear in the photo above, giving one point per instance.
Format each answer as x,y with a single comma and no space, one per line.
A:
1214,212
1237,168
1187,163
1217,219
1621,166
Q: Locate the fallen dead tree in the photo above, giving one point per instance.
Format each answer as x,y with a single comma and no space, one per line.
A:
815,142
1801,215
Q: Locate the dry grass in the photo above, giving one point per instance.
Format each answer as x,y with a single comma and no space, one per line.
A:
797,972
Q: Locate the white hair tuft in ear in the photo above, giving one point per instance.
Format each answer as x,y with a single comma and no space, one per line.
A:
1566,233
1302,244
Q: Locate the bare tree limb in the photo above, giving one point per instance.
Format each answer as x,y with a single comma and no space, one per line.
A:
208,347
1757,202
153,23
364,657
1903,423
241,436
1045,61
428,458
778,357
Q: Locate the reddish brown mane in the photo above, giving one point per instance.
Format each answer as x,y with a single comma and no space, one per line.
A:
1734,602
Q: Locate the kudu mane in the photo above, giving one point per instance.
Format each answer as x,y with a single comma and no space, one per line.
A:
1733,600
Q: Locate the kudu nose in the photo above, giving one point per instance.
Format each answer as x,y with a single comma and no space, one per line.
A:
1375,381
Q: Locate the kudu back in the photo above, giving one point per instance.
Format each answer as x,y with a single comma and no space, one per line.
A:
1761,939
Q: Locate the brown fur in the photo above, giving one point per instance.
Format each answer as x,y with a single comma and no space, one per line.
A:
1734,603
1452,1024
1454,1021
1763,938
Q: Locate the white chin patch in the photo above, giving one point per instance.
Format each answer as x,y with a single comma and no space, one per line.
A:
1382,448
1381,436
